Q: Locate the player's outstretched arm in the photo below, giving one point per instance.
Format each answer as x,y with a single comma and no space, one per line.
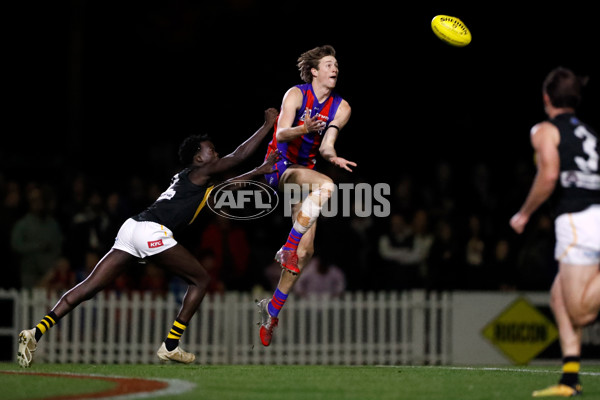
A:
327,148
245,149
265,168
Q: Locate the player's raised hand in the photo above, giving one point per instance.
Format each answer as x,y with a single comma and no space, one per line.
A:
271,116
343,163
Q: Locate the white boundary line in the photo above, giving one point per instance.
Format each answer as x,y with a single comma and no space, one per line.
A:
174,386
508,369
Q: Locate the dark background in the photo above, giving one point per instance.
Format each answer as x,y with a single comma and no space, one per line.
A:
112,87
107,90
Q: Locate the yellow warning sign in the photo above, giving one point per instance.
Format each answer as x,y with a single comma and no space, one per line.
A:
521,331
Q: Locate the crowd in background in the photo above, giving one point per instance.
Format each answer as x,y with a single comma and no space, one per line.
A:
447,230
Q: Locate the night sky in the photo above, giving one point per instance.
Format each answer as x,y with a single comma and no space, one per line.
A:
115,86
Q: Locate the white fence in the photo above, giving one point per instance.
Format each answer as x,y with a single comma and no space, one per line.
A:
360,328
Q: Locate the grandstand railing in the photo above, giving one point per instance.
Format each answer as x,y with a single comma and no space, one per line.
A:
383,328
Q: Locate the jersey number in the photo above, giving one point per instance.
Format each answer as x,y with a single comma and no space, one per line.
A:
587,176
589,147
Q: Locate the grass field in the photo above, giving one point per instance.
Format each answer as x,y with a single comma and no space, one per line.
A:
260,382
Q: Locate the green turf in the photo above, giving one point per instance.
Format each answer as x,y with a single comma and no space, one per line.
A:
231,382
28,388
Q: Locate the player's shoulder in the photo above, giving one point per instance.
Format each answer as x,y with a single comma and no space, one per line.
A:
294,92
543,131
543,128
344,107
301,88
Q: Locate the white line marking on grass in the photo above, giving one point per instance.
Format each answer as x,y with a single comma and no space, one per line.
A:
534,371
173,386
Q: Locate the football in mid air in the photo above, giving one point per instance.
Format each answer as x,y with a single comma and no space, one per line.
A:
451,30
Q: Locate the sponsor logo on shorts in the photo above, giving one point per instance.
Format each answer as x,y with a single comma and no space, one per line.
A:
155,243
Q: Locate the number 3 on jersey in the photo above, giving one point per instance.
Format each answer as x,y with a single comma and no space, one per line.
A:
589,147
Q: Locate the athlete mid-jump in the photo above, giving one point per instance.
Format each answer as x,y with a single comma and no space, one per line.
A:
311,118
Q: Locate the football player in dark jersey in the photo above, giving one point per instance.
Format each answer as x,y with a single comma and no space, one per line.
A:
568,152
152,234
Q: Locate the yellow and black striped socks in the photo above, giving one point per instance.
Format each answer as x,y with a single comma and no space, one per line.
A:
570,371
174,335
46,323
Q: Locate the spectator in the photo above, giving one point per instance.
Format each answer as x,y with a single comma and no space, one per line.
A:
423,239
441,196
94,227
321,278
85,230
476,274
154,280
209,261
229,244
536,265
358,251
403,194
89,262
114,215
503,266
481,196
60,277
405,249
37,239
444,259
10,212
76,199
392,246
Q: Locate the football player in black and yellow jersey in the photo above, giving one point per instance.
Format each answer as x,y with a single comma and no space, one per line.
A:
152,234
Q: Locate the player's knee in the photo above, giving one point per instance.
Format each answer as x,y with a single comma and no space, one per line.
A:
584,318
73,298
200,279
85,291
555,300
69,301
326,189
